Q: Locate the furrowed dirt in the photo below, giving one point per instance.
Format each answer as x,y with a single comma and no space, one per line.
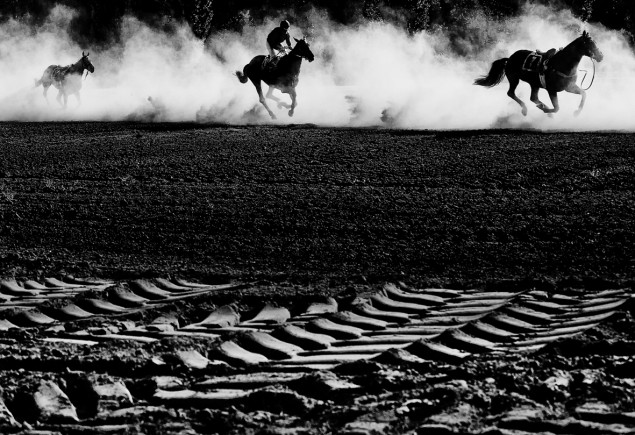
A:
183,278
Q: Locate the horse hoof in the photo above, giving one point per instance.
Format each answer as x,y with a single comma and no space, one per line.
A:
524,111
577,113
290,112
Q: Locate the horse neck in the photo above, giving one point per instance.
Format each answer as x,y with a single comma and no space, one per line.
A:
568,59
77,68
294,60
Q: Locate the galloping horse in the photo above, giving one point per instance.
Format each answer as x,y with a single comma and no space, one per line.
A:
68,79
283,76
557,73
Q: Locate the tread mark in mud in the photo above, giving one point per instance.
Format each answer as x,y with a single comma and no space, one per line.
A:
273,352
437,324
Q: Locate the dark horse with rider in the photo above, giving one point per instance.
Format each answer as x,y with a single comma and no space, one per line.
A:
555,71
279,71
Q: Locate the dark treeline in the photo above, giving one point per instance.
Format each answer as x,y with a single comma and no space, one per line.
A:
96,20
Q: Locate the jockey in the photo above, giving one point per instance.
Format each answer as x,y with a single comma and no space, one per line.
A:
276,37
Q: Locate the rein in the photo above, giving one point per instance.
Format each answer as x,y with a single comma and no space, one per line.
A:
291,53
563,75
575,73
585,74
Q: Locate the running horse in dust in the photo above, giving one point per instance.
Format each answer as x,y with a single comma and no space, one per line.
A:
67,79
554,72
282,74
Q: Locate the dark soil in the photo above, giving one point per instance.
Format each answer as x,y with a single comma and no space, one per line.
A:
301,212
306,204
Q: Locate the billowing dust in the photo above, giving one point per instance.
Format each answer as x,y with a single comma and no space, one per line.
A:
364,75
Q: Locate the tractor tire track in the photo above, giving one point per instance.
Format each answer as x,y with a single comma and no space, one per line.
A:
276,352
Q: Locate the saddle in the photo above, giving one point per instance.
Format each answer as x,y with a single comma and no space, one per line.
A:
271,62
538,62
59,72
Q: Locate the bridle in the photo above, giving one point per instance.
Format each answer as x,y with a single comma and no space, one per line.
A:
291,53
302,56
84,60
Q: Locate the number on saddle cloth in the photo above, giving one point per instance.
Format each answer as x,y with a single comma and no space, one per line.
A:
533,62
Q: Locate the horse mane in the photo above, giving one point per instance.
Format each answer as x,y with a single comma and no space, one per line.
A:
77,66
585,37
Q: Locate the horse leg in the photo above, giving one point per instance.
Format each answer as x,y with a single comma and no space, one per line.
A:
59,98
575,89
513,84
534,99
79,99
258,86
293,101
554,100
270,95
46,89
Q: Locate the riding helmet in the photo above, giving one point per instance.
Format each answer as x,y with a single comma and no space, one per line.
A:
285,24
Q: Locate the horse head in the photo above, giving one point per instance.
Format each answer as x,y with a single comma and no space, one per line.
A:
86,64
590,48
302,49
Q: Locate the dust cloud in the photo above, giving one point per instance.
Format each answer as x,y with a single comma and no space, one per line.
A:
366,75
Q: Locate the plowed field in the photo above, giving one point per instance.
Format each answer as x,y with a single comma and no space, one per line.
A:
184,278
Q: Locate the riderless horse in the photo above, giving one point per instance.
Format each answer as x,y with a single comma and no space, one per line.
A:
283,74
68,79
556,73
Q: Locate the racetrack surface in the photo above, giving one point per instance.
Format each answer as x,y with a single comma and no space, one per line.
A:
110,198
188,278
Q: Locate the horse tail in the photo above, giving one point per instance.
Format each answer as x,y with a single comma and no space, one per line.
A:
242,76
37,82
495,75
